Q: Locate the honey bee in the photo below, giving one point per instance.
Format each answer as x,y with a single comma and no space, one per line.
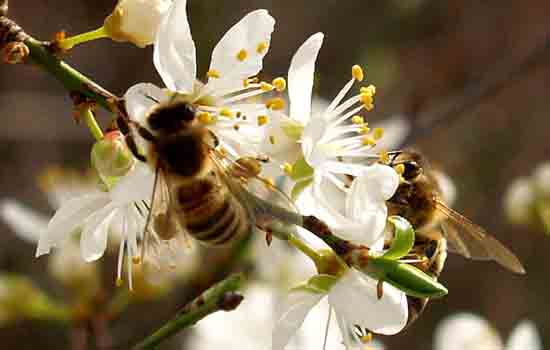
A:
198,191
438,228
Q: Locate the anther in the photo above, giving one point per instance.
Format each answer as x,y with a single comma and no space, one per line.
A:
262,47
266,87
385,157
212,73
226,112
262,120
357,119
242,55
119,282
136,260
279,83
15,52
357,72
371,89
378,133
287,168
275,104
369,141
272,140
205,118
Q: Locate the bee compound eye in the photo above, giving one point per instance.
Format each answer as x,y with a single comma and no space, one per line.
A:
412,170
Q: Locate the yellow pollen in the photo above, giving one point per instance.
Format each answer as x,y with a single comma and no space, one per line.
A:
266,86
357,72
279,83
378,133
366,98
287,168
262,47
275,104
246,83
369,141
272,140
366,338
212,73
400,169
364,129
239,114
384,157
242,55
205,118
136,260
270,181
119,282
226,112
262,120
371,89
236,127
357,119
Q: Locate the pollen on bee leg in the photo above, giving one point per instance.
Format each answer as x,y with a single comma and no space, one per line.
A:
357,73
262,120
400,169
279,83
275,104
262,47
212,73
242,55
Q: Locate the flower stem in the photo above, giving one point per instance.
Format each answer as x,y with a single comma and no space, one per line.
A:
92,124
221,296
72,41
304,248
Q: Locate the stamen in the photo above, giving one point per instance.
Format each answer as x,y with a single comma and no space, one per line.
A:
368,141
262,47
287,168
242,55
340,96
119,280
272,140
262,120
279,83
357,119
357,73
385,157
226,112
378,133
212,73
371,89
275,104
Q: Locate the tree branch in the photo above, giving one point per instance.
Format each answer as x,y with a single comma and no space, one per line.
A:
221,296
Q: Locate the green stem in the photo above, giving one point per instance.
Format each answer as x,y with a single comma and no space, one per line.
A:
72,41
92,124
221,296
304,248
72,80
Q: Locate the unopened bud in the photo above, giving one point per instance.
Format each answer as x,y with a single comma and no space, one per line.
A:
111,156
519,201
136,21
230,301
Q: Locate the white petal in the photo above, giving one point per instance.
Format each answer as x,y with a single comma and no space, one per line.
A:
354,298
524,337
174,55
466,331
135,186
293,313
25,222
255,28
140,98
377,180
300,77
69,217
93,240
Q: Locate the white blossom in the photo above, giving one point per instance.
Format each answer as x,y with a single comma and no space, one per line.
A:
519,199
469,331
136,21
223,102
541,178
354,300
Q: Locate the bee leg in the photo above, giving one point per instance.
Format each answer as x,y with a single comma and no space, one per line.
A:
380,289
133,148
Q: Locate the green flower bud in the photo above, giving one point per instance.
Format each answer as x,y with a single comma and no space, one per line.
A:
111,156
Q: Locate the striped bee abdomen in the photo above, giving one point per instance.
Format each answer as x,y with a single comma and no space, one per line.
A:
211,214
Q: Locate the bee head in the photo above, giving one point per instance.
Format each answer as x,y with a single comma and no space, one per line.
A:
412,170
171,118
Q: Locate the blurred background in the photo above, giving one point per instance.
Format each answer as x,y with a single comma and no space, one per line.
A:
472,78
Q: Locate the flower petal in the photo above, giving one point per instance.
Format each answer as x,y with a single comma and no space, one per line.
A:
466,331
524,336
293,313
248,34
25,222
69,217
140,98
135,186
175,53
354,298
300,78
93,240
377,181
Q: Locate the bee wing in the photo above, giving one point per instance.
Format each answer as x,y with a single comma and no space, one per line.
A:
473,242
265,203
163,234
